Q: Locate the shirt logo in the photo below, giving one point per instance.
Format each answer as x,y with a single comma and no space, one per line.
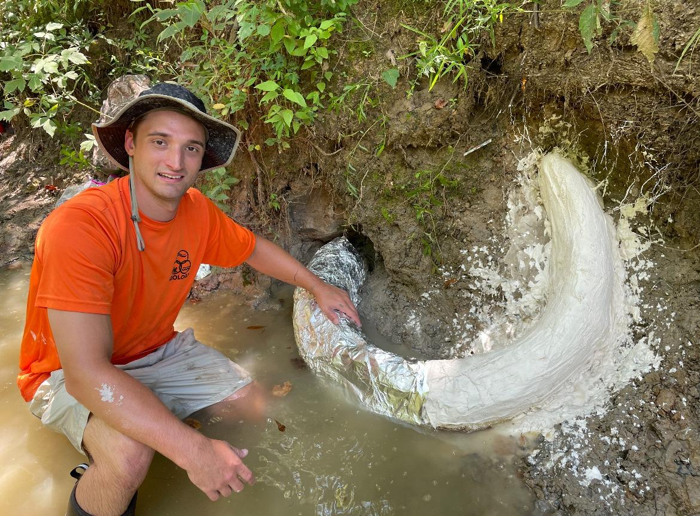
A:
182,266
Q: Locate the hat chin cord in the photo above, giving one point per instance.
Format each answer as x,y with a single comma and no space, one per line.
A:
135,217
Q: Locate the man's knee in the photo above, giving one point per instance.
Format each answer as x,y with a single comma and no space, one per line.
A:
250,402
124,459
133,462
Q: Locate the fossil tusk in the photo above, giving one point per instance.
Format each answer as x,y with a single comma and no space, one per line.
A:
556,367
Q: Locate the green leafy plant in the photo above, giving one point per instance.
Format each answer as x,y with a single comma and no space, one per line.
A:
267,57
137,54
690,46
274,202
42,62
387,215
216,185
645,33
391,76
72,158
360,90
425,192
464,23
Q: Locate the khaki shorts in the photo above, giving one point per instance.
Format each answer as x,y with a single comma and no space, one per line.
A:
185,374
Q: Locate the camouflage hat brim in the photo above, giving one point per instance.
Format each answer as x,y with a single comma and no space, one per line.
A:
222,142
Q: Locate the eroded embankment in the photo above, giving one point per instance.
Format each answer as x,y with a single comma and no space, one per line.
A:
562,366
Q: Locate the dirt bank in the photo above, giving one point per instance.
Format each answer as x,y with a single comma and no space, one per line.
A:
390,170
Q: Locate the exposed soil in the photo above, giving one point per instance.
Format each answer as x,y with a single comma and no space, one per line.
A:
363,172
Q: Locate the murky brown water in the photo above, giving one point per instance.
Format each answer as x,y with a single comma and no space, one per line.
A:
332,459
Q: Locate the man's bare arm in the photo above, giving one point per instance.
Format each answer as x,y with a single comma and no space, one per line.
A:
84,343
272,260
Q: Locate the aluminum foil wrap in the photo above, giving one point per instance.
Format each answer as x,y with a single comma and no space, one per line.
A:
384,382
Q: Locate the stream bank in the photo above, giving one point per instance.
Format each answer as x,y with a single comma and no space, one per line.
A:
389,169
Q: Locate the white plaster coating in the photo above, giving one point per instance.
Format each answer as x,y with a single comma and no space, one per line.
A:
107,393
564,363
519,293
574,348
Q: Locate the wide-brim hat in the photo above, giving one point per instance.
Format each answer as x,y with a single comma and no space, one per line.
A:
222,138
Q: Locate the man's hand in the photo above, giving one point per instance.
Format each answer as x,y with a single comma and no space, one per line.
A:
272,260
218,470
333,300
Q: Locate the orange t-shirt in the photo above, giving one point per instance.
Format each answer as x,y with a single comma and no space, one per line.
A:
86,260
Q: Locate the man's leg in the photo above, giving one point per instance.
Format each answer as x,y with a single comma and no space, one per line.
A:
246,404
118,466
199,381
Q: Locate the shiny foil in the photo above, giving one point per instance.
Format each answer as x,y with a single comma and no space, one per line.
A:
384,382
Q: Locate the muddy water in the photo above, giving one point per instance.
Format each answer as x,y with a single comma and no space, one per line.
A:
317,453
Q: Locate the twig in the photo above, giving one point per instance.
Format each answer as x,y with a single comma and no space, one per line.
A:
473,149
320,150
89,107
678,249
680,99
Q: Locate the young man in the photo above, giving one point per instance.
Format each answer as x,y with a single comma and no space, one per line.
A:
100,361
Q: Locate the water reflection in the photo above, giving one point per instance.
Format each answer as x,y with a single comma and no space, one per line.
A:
332,458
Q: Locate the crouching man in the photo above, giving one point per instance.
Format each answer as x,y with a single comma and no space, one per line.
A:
100,361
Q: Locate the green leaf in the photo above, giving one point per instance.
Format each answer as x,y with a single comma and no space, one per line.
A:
325,24
314,97
308,64
322,52
15,84
191,12
165,14
10,63
290,45
246,29
295,97
587,24
270,95
277,32
50,127
170,31
267,86
391,76
9,114
321,86
310,40
263,30
51,67
77,57
572,3
88,143
34,82
299,51
287,116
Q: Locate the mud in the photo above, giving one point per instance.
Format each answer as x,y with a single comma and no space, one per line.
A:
370,170
642,456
